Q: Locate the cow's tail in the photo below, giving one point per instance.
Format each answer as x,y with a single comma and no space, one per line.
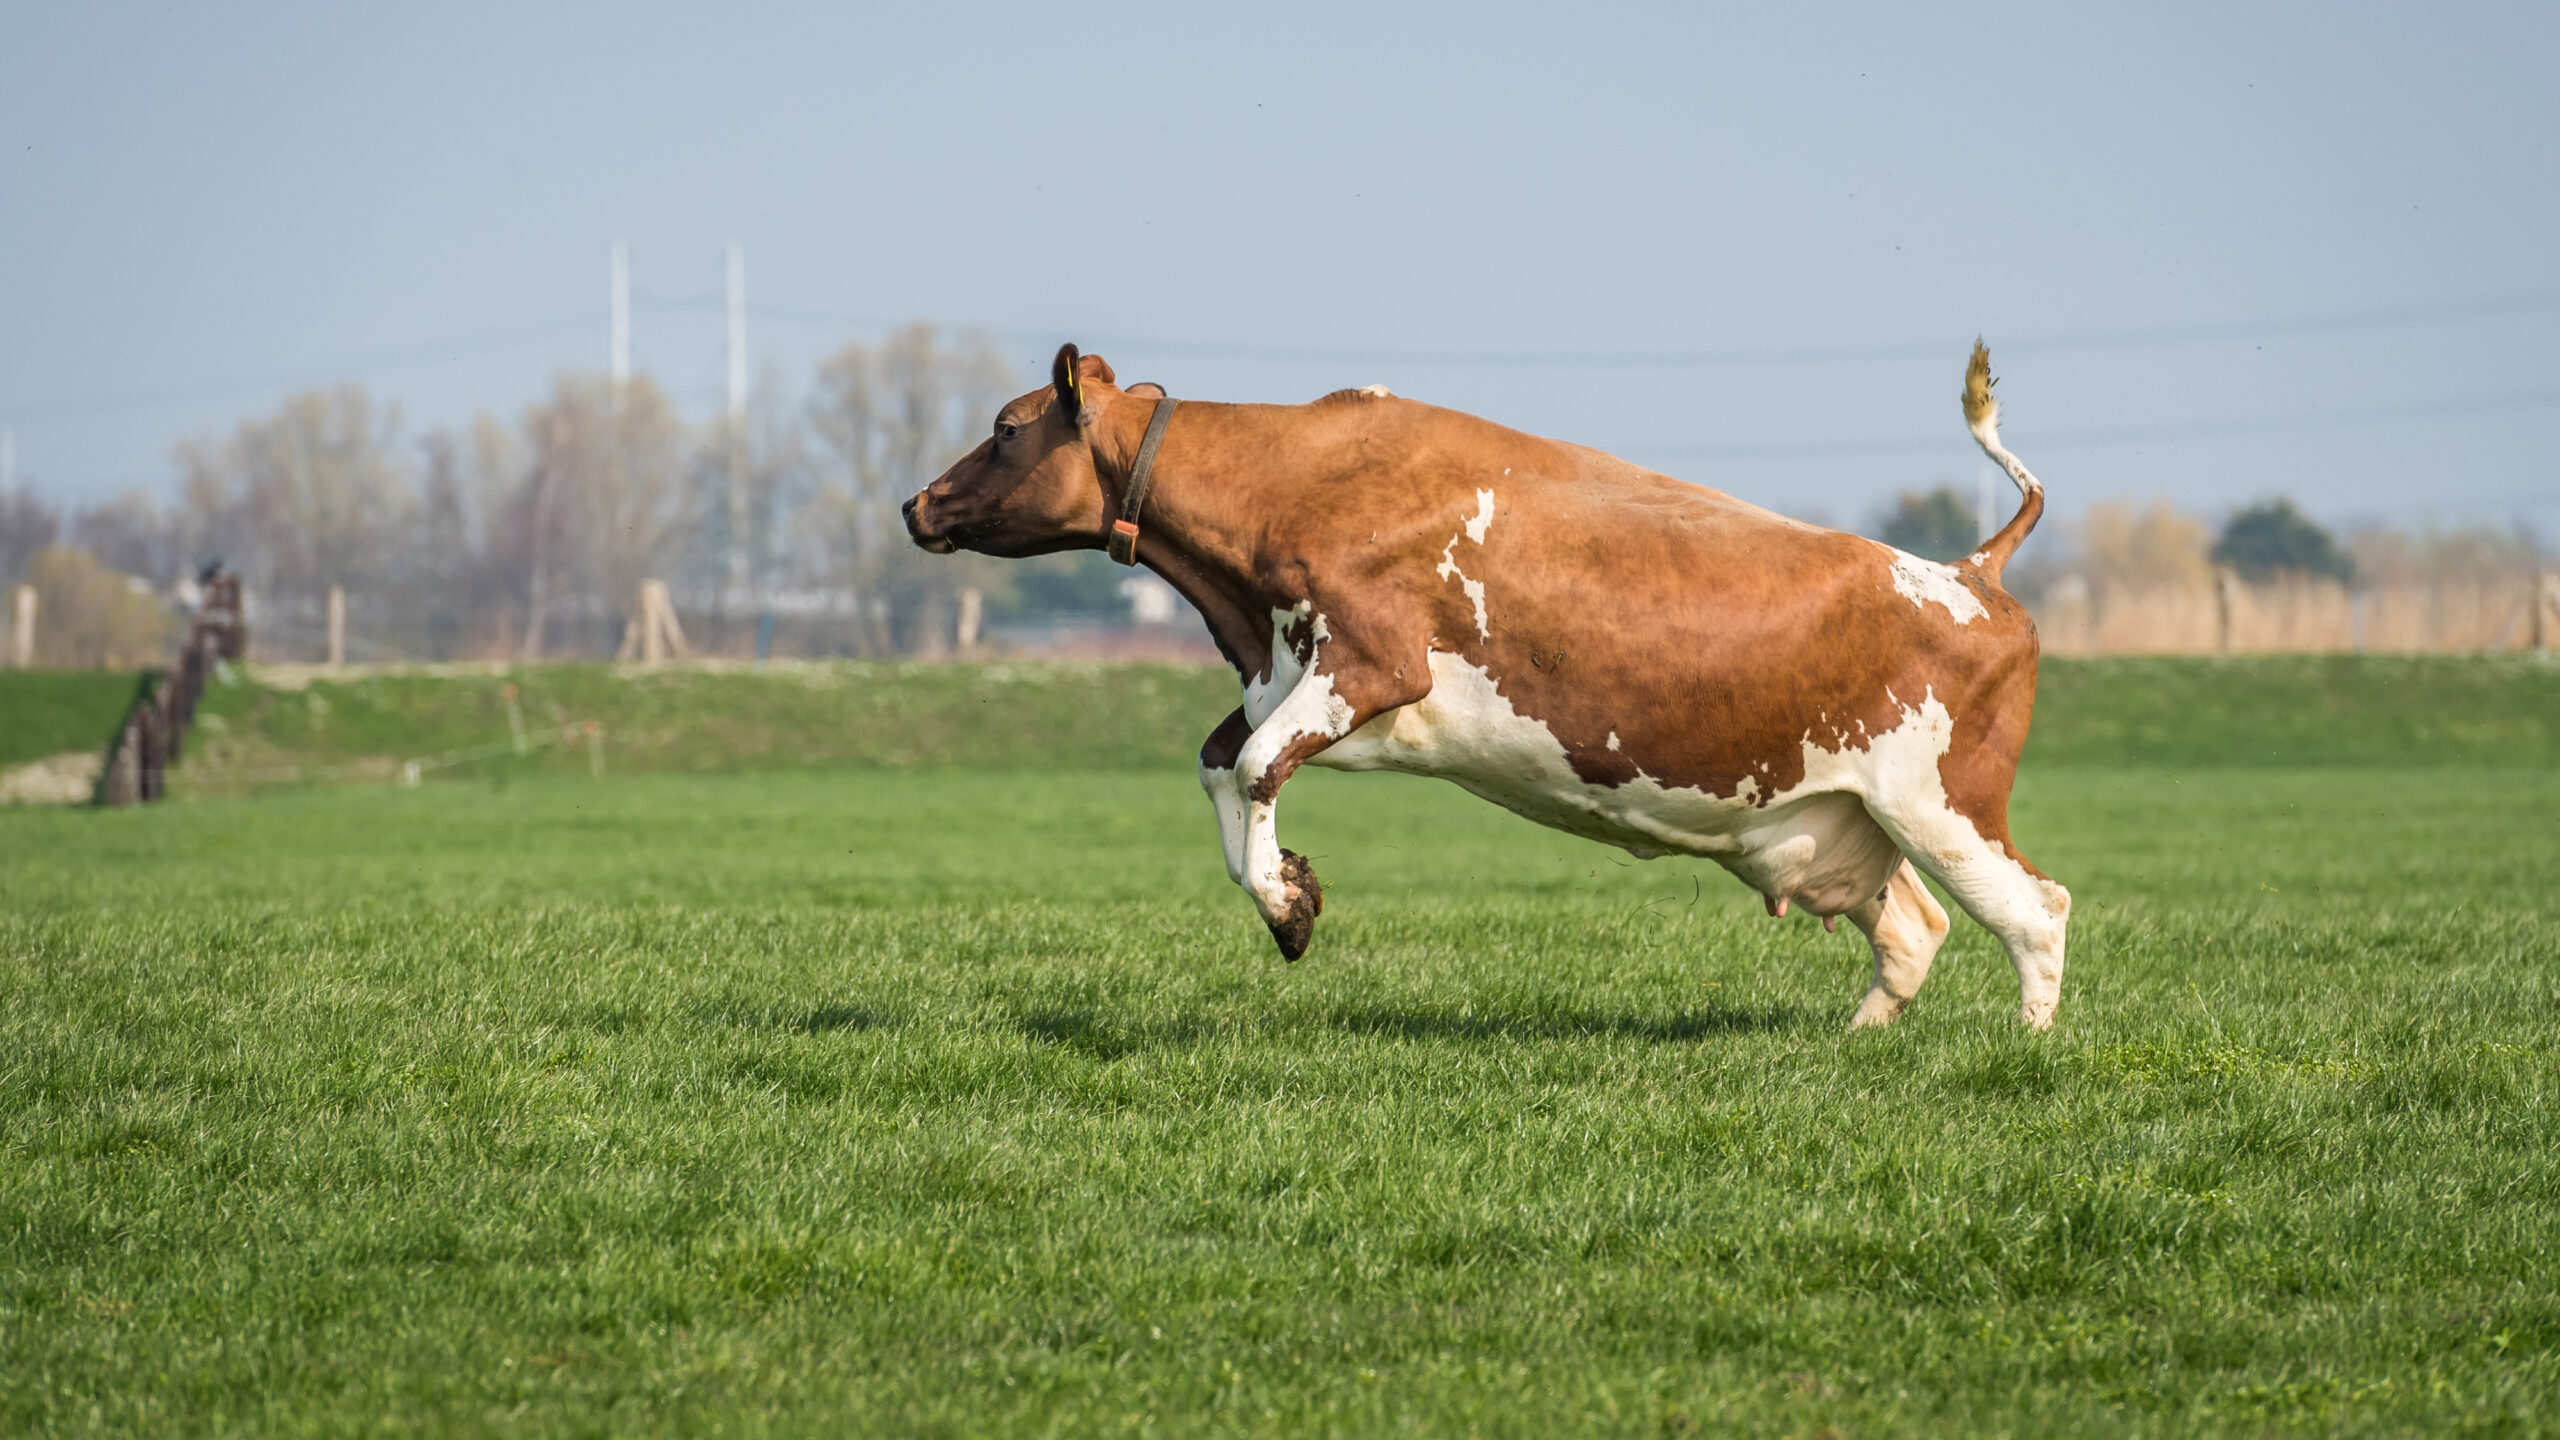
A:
1982,416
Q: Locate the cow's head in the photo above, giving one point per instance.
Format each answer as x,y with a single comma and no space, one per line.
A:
1030,488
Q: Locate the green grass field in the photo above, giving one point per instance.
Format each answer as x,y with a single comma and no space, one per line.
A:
936,1101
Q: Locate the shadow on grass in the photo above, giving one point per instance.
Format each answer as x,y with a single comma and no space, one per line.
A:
1089,1034
839,1017
826,1019
1652,1029
1102,1037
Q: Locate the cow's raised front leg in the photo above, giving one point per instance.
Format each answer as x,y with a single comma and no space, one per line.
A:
1322,707
1904,927
1226,794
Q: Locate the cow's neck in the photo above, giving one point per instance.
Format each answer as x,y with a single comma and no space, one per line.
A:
1216,480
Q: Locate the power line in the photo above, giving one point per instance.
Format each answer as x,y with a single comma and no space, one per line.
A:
499,339
2440,313
618,296
2134,435
456,347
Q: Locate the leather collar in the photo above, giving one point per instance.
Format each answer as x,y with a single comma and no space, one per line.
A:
1123,543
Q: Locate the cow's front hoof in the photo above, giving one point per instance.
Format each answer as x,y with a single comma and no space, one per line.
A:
1295,928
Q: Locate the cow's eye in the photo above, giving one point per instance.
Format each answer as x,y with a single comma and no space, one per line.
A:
1005,432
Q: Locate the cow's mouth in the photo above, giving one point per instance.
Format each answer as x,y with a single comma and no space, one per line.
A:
929,543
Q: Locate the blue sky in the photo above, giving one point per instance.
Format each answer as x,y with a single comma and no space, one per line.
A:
2220,252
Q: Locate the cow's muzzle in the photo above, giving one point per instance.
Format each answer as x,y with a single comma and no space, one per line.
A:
913,513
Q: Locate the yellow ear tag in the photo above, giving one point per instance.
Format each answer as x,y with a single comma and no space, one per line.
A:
1075,385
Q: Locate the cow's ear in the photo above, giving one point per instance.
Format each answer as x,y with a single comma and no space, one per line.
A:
1068,383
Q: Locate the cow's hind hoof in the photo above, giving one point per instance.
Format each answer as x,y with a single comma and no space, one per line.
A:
1306,901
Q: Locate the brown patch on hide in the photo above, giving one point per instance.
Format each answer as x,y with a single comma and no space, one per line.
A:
1225,743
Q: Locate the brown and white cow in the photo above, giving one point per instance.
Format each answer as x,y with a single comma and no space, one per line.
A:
1601,648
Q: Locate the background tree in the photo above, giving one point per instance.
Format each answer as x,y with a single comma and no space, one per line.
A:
780,548
309,496
27,525
889,419
1936,526
600,508
137,534
92,617
2468,553
315,494
2155,548
2272,538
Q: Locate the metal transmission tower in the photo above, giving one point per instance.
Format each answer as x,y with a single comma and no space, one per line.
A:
621,321
737,424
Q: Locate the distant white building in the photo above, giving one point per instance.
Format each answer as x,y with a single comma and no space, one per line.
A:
1151,601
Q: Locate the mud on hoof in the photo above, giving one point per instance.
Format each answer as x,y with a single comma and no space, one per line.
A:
1295,929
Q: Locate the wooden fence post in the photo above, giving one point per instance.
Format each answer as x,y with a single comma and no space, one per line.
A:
337,627
22,628
652,634
2226,599
155,724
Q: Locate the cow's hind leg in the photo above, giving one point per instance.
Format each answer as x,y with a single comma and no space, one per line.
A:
1994,884
1904,927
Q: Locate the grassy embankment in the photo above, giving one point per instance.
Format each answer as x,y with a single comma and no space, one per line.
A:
44,713
2280,710
976,1103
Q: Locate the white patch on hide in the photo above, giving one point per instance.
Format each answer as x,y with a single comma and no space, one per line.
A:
1926,582
1263,695
1377,392
1815,844
1473,530
1226,798
1829,843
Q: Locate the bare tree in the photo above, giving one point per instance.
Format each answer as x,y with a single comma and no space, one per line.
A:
592,502
27,525
2396,557
772,453
95,617
891,417
313,495
2153,548
136,534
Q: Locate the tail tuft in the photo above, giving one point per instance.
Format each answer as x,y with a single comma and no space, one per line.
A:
1982,417
1981,407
